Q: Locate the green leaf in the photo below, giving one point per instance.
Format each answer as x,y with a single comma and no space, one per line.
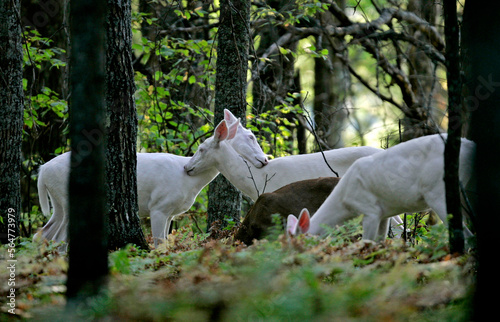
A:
283,51
120,262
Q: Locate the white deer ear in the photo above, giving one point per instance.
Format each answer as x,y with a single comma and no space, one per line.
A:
304,221
221,132
233,129
291,225
229,117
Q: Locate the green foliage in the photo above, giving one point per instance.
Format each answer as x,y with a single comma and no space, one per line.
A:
167,121
45,112
434,243
304,9
276,229
38,54
273,128
344,234
164,123
416,227
309,278
43,103
192,276
37,51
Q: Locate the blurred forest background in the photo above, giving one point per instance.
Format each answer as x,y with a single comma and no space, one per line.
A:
348,72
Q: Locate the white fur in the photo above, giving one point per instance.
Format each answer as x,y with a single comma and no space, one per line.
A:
164,189
405,178
278,172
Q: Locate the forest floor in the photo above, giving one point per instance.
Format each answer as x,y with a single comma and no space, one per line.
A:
194,277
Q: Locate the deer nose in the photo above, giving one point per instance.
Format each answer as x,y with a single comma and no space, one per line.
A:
265,162
187,169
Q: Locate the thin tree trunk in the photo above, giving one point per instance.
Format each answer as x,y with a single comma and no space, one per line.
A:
276,78
421,76
11,119
121,154
88,252
452,148
232,64
329,88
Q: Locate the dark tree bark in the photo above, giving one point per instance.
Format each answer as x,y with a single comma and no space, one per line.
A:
329,87
230,92
481,49
88,251
452,148
274,79
121,154
421,73
11,119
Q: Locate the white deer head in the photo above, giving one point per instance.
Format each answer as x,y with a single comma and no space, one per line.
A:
243,142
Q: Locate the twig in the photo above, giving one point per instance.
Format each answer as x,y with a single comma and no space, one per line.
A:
468,209
266,181
253,179
196,223
301,103
251,176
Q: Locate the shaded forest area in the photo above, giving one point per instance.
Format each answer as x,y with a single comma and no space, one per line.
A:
321,75
358,73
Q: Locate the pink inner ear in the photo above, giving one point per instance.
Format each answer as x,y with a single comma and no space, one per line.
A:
233,128
304,221
291,224
221,131
227,117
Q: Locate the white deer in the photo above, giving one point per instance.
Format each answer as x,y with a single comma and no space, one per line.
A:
253,181
164,189
405,178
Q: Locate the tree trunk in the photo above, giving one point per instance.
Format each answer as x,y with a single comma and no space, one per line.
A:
121,154
275,80
11,119
481,49
232,64
88,252
329,89
421,76
452,148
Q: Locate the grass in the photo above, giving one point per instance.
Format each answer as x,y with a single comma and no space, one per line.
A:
196,278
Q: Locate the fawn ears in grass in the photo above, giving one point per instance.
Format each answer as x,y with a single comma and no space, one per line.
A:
302,223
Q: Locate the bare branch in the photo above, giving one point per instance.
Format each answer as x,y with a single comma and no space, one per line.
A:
315,135
251,177
370,88
386,15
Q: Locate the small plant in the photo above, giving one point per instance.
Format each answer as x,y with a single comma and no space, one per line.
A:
434,245
349,232
276,229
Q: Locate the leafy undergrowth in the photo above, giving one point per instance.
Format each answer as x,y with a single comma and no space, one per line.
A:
194,277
